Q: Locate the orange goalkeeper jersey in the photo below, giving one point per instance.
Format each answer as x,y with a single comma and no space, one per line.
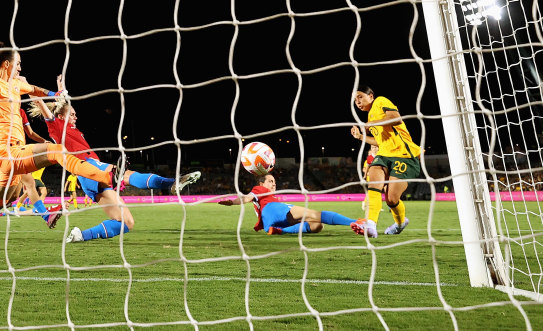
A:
10,116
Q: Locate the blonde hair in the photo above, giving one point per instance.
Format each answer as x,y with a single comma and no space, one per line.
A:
58,108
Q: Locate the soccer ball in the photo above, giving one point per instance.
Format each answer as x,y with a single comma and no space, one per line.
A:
258,158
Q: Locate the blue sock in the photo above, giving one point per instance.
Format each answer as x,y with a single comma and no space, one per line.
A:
39,207
150,181
333,218
106,229
296,228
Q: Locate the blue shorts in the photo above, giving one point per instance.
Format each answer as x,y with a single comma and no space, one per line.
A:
275,214
89,186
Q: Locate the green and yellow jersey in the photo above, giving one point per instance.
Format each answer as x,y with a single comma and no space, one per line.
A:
72,180
38,173
393,141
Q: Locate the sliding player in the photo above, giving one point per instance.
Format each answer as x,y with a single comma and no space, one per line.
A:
278,217
396,160
56,115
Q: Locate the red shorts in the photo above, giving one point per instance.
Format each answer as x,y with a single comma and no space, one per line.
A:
22,162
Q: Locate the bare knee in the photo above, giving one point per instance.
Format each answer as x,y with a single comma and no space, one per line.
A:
126,216
316,227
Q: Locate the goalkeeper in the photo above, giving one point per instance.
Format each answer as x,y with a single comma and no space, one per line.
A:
396,160
56,115
278,217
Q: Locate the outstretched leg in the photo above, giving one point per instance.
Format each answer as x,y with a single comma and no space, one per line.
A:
109,228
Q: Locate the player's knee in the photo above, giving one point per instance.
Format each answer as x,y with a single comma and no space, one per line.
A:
316,227
125,216
55,148
129,222
392,203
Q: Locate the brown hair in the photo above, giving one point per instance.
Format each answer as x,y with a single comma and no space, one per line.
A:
6,55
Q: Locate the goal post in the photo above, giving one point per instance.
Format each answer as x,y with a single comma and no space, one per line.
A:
482,250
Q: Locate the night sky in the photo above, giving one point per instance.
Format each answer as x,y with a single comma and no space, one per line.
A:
265,102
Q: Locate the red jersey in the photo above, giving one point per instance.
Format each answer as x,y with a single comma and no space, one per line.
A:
259,202
370,158
75,141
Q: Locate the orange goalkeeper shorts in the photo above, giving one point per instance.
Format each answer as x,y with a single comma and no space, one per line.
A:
22,162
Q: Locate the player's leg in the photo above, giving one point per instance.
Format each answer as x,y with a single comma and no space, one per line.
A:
315,216
50,215
54,155
11,194
109,201
275,217
154,181
74,198
21,200
393,199
408,168
294,217
378,173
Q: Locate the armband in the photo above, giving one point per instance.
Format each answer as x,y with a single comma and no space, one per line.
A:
54,94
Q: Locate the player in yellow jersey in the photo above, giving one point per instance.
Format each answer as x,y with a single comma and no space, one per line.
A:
70,187
40,187
397,160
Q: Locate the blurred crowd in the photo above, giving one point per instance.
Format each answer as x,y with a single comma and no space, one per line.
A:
316,177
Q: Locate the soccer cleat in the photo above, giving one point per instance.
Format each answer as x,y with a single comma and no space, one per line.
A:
116,176
273,230
395,229
360,227
75,235
55,213
185,180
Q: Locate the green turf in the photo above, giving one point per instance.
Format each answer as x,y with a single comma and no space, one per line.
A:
100,293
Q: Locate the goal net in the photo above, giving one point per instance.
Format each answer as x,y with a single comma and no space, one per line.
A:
493,50
178,86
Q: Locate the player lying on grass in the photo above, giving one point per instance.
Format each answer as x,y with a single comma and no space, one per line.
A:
278,217
17,158
56,114
396,160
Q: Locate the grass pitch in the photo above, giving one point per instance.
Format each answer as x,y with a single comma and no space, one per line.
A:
141,283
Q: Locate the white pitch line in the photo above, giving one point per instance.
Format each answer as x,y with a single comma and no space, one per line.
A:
241,279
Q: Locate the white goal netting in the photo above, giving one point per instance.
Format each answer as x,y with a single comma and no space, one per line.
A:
183,85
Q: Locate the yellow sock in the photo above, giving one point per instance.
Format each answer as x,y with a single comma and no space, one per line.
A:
375,204
19,204
398,212
75,203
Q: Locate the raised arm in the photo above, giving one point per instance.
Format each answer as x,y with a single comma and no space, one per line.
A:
40,104
41,92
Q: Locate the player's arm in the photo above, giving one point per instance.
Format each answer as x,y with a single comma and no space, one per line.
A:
355,132
33,135
237,201
40,91
392,117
